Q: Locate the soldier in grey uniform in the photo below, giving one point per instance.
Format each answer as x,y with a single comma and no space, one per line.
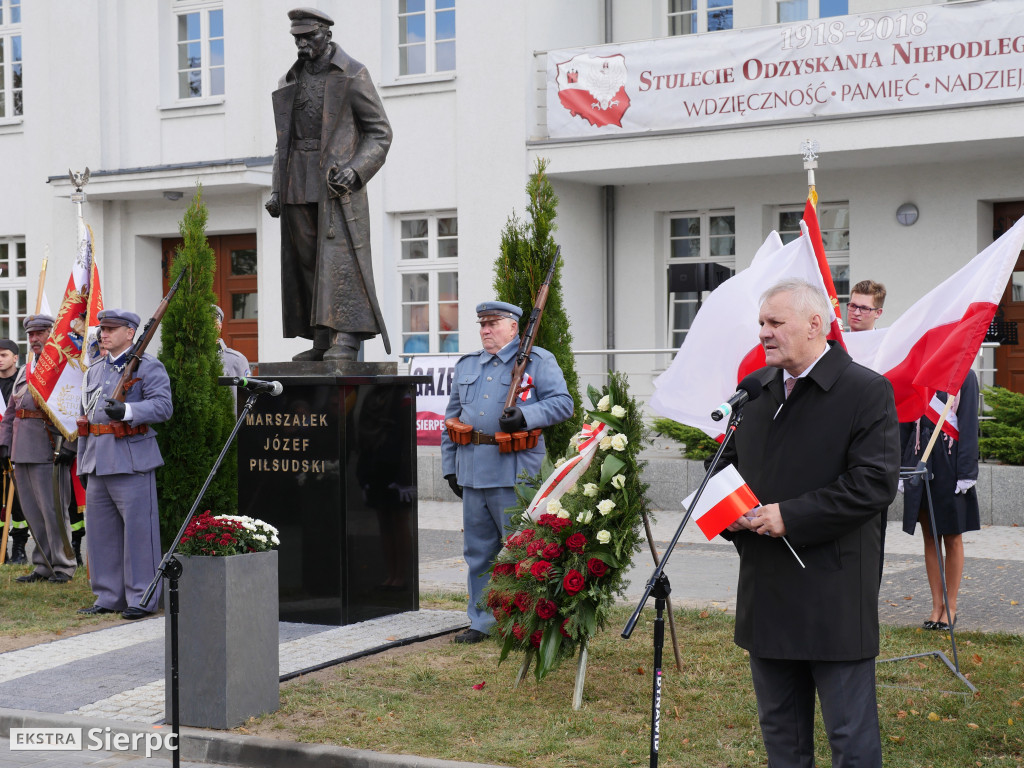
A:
478,473
232,361
29,440
117,459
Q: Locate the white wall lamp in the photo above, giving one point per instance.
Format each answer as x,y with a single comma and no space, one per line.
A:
906,214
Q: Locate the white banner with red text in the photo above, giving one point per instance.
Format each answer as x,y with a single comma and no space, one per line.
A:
930,57
432,397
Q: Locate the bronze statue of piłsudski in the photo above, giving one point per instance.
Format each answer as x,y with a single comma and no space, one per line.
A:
332,137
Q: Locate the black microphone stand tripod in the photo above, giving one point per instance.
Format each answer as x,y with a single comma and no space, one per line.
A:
170,568
659,586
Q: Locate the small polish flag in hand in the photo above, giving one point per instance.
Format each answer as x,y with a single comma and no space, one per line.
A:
726,498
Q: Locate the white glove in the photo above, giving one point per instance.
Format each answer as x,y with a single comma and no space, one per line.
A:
963,486
899,485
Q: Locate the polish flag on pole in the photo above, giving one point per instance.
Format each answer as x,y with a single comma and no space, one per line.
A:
933,344
814,232
721,346
726,498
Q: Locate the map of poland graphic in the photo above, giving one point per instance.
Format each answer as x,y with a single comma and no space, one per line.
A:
594,88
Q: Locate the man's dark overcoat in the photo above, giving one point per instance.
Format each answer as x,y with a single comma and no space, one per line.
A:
355,134
830,458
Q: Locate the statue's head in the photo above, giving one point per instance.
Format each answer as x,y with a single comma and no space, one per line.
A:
312,31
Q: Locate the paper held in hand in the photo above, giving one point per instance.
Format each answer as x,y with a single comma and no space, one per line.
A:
726,497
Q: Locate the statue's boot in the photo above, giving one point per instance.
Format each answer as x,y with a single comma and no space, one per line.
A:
321,343
345,347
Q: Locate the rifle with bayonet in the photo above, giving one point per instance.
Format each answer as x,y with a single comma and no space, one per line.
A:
526,439
133,359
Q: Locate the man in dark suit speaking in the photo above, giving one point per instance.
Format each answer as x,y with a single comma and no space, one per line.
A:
820,449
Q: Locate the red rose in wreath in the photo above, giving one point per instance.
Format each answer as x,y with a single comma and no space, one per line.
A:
597,567
540,570
573,581
535,638
576,543
545,609
551,552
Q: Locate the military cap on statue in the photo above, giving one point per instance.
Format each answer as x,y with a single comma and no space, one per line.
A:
37,322
218,312
308,19
9,345
118,317
498,309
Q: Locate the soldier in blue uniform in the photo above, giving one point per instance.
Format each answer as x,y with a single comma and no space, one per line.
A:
478,473
232,361
29,440
117,459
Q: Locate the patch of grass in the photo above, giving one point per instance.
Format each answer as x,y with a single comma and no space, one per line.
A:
444,601
425,703
43,607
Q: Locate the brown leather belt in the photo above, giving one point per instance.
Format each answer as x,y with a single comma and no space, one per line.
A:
308,145
24,413
482,438
108,429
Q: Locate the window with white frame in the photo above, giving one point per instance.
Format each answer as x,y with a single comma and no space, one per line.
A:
690,17
428,267
199,35
701,256
13,290
834,221
10,59
802,10
426,36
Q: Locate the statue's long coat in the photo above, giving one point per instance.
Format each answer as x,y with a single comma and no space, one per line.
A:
355,134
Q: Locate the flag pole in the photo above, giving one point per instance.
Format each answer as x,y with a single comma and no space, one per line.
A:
938,428
42,279
810,148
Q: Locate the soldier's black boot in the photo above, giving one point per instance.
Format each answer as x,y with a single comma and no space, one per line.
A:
18,552
76,544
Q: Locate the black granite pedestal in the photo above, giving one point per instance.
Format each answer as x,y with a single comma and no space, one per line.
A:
331,463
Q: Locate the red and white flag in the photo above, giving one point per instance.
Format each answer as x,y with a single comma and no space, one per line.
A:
55,381
721,346
933,344
813,231
726,498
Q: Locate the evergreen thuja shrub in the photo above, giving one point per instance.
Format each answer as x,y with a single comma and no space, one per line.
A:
1002,436
694,443
203,410
527,248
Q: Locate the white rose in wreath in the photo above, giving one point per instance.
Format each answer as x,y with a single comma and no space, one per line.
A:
604,403
619,481
585,516
618,411
618,442
605,506
590,489
604,537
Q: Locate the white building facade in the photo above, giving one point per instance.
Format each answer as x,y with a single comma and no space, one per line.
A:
662,194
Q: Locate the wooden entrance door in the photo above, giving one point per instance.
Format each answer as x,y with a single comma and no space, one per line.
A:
1010,358
234,283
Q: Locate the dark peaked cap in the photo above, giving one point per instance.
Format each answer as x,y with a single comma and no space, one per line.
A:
308,19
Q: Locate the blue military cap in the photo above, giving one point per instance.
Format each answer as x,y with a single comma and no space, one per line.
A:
308,19
38,322
218,312
118,317
498,309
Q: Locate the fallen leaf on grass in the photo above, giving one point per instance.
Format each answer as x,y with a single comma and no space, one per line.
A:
704,614
976,658
901,714
1014,602
973,726
909,597
897,739
480,686
934,717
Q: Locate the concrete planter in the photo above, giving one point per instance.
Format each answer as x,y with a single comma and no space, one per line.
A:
227,640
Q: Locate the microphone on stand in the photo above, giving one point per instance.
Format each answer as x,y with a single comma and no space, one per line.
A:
747,390
273,388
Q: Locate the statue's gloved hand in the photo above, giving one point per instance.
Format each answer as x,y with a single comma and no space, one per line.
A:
342,181
273,205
